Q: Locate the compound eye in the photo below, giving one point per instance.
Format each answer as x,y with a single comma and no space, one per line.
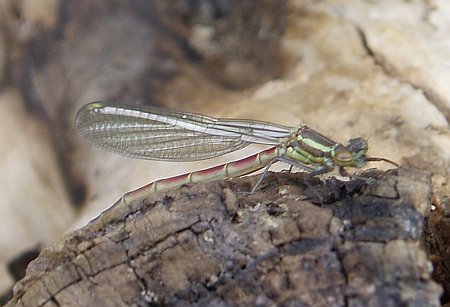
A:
357,146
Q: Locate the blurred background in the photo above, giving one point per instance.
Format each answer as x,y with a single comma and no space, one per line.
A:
375,69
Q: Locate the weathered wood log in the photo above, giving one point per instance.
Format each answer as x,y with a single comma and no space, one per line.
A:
296,241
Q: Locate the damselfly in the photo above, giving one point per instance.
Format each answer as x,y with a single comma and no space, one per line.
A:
158,134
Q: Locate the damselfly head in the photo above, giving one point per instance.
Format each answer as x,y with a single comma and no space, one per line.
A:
358,148
354,154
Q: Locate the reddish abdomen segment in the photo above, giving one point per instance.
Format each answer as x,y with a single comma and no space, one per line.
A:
229,170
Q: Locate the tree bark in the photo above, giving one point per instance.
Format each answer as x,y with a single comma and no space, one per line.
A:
296,241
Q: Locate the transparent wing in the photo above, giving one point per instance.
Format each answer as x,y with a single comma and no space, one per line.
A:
153,133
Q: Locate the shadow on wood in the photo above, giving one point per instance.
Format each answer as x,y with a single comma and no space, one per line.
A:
206,244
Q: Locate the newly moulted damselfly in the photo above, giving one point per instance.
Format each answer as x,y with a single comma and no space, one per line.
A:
159,134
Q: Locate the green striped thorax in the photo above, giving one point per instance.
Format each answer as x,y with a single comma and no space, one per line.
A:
312,148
